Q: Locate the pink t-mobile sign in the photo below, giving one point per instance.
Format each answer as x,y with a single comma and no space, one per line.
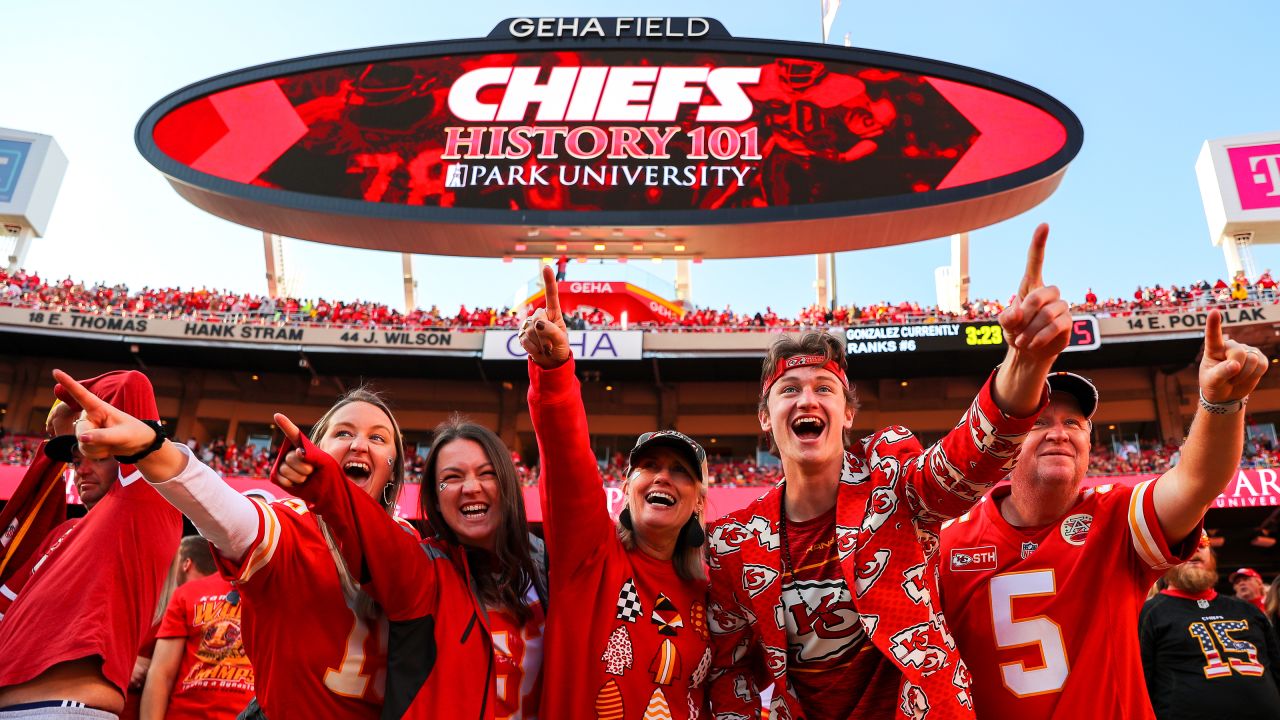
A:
1257,172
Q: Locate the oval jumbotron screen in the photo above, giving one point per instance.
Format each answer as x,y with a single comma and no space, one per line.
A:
732,148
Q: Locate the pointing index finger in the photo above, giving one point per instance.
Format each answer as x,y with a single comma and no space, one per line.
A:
553,293
85,399
1033,276
291,431
1214,344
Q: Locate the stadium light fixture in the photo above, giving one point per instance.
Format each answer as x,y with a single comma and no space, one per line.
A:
582,258
679,247
533,232
599,247
608,388
637,247
657,259
904,383
561,247
659,233
255,377
521,247
575,233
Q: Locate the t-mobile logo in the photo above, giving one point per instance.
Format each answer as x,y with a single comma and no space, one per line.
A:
1256,170
1270,175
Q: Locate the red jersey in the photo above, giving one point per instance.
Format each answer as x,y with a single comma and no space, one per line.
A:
1047,618
627,639
517,652
95,593
835,671
215,679
315,657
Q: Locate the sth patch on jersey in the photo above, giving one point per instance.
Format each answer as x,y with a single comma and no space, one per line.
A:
972,559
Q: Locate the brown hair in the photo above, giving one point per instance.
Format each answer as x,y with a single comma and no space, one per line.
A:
502,578
190,547
810,343
356,598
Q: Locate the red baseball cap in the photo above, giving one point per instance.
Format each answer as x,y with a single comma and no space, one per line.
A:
1243,572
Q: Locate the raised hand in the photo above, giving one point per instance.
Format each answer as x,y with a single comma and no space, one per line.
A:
1037,324
1229,370
102,430
544,335
294,470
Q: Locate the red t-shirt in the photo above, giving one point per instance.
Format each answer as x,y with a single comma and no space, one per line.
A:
1047,620
835,672
95,593
315,657
215,679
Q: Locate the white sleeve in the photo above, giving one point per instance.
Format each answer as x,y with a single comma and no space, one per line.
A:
223,516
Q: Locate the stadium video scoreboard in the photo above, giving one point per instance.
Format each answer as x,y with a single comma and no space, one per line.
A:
952,337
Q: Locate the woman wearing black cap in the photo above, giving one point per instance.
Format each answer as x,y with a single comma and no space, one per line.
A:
627,627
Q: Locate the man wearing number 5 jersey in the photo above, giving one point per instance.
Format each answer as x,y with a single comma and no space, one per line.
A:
1042,582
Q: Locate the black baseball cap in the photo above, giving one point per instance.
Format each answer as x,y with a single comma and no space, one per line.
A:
1077,386
678,441
62,448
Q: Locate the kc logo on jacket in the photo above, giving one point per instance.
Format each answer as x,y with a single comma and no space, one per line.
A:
775,660
723,622
987,440
869,571
949,476
914,585
820,615
880,506
846,540
757,578
915,704
912,648
728,538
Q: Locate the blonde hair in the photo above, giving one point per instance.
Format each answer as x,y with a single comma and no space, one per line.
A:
357,599
687,560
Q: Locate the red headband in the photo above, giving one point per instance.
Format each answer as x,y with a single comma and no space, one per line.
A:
795,361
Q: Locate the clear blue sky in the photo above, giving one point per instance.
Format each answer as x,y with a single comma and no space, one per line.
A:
1150,82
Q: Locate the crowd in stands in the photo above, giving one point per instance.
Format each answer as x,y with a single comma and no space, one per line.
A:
1130,457
29,290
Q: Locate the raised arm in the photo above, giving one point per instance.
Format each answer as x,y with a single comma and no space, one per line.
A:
223,516
574,508
953,473
1210,457
386,558
1037,328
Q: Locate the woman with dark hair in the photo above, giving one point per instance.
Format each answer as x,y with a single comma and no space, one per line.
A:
465,606
627,635
316,641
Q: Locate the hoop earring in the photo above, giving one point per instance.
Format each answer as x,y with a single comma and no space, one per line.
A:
385,499
624,517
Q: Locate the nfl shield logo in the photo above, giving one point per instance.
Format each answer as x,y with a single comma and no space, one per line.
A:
1028,547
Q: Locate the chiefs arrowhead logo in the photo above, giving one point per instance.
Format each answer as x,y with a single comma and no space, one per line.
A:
757,578
846,540
870,570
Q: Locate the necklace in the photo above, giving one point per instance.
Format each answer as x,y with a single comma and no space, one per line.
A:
782,531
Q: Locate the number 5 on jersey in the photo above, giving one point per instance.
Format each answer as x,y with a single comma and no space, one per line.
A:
1038,631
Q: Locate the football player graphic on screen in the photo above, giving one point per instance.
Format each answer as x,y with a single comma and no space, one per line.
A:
818,123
